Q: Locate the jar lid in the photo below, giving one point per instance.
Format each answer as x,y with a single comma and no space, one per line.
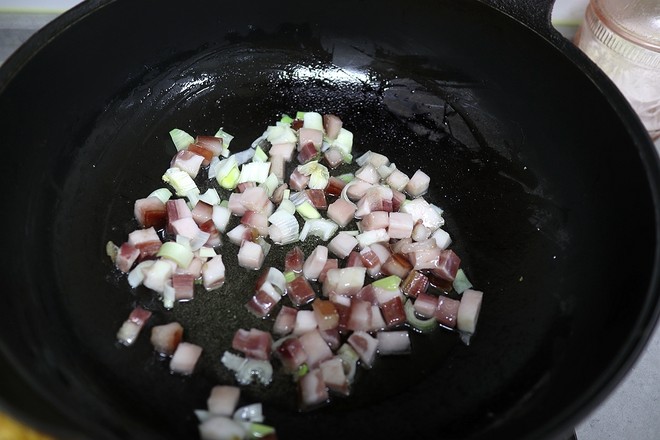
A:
635,20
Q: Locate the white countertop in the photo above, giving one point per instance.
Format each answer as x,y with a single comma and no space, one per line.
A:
631,412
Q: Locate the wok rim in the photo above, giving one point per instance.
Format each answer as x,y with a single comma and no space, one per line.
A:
602,385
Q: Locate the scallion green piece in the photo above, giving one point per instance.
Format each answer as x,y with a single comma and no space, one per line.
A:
461,283
422,325
176,252
388,283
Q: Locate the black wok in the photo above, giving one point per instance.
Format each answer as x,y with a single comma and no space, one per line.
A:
549,182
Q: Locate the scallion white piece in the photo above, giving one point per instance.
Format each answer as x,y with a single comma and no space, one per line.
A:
162,194
180,181
181,139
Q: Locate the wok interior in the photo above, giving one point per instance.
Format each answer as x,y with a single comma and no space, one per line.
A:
536,196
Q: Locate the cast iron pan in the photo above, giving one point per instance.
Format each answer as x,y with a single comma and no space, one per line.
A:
549,183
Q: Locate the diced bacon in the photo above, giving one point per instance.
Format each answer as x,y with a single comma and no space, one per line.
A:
447,311
448,265
221,216
242,233
255,199
347,281
278,168
150,211
305,322
194,268
176,209
250,255
278,194
360,317
342,244
207,155
397,180
358,189
253,343
381,250
184,286
326,314
393,343
235,204
307,152
310,135
127,255
341,212
331,263
368,173
284,150
420,232
334,376
365,346
316,348
215,239
188,161
166,338
186,227
210,143
130,329
256,220
425,258
332,125
400,225
375,220
393,312
420,209
414,284
146,240
334,157
369,258
367,293
298,181
375,159
468,311
312,389
213,428
241,187
377,321
294,260
425,305
291,354
335,186
437,282
213,273
332,337
317,198
285,321
410,246
418,183
376,198
158,274
442,238
368,238
344,313
300,291
185,358
354,260
396,264
397,200
315,263
263,301
223,400
202,212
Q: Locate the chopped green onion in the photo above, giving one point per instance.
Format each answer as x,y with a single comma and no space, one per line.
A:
254,172
319,227
180,181
210,197
286,194
162,194
288,206
258,430
423,325
318,174
461,282
259,155
308,211
346,178
176,252
302,370
111,250
181,139
344,142
388,283
349,359
286,119
193,197
313,120
224,203
289,276
271,184
228,173
300,115
226,140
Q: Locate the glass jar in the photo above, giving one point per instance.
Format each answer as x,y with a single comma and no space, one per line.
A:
623,38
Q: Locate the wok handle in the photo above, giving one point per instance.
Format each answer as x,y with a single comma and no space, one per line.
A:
536,14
